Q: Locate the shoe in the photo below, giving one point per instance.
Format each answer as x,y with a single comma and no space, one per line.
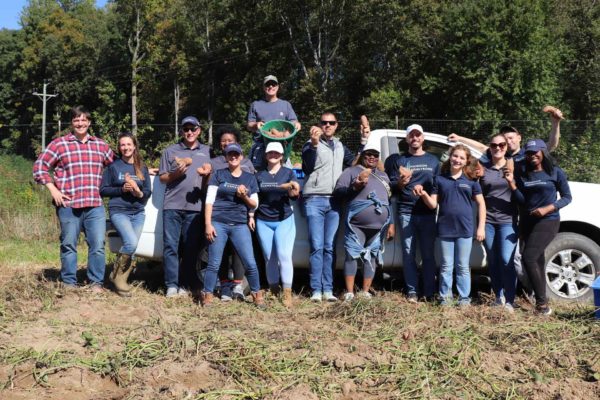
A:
275,290
119,274
412,298
348,297
238,293
430,299
543,309
172,292
328,296
364,295
464,304
316,297
206,299
287,297
499,302
226,299
183,292
509,308
258,299
67,287
96,288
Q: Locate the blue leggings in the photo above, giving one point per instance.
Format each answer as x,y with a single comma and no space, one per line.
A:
277,242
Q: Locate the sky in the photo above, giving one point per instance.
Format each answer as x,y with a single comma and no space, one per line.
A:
10,11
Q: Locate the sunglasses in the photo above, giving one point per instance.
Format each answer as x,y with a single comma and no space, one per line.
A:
498,145
332,123
373,155
190,129
271,84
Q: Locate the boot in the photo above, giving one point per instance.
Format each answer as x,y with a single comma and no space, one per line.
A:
259,301
119,274
206,298
287,297
275,289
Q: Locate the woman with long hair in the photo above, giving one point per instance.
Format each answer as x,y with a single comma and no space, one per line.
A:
536,185
127,183
367,190
501,223
455,194
232,193
275,223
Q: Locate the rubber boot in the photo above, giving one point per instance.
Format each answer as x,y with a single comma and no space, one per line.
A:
259,300
206,299
119,274
287,297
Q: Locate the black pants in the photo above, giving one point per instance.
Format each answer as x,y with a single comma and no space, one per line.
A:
537,236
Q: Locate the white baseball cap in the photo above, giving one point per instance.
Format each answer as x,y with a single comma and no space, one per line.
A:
274,146
414,127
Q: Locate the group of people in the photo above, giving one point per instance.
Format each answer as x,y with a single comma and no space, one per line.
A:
220,202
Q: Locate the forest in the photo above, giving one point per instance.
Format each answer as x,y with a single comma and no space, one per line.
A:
465,67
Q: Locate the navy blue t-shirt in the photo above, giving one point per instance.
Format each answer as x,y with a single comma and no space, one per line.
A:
538,189
455,199
113,180
274,204
424,168
229,208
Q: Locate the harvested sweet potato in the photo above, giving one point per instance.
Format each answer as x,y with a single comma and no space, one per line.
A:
404,172
204,170
364,175
510,165
554,111
278,134
474,169
185,161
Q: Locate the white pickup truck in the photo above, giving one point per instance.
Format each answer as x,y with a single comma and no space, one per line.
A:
572,259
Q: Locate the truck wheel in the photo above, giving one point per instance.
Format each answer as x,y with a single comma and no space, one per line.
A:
572,264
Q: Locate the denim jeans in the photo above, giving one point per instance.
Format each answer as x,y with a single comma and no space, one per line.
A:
129,226
187,228
277,242
92,221
240,237
419,229
500,243
323,217
456,253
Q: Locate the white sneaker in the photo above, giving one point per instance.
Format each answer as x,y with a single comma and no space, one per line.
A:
226,299
348,297
364,295
172,292
183,292
238,292
316,297
509,308
328,296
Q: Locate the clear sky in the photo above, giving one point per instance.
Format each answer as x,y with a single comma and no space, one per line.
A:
10,11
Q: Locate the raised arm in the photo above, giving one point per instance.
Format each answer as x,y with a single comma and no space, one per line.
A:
556,116
453,137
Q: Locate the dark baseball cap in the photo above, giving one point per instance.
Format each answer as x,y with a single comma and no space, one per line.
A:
190,120
233,148
535,145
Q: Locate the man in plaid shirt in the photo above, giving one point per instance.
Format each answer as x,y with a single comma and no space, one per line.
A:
77,160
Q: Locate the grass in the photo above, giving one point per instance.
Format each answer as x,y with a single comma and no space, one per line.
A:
384,348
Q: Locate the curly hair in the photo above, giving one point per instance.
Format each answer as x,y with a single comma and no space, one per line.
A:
446,164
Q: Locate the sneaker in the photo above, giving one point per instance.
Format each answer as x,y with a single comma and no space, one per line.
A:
499,302
238,293
316,297
226,299
364,295
96,288
328,296
348,297
172,292
543,310
509,308
183,292
430,299
412,298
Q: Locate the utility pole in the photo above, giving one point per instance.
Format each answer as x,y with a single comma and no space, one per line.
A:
44,97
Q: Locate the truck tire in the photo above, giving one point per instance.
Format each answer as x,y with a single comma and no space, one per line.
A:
572,264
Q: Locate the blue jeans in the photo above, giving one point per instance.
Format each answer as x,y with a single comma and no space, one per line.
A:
277,242
129,226
421,229
240,237
456,253
93,222
323,217
500,243
187,227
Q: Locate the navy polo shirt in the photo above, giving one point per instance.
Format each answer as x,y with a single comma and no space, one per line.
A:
229,208
274,204
455,200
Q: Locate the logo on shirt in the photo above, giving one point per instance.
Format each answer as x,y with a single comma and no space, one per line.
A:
535,183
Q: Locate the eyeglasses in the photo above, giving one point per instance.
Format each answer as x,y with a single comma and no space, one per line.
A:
271,84
190,129
372,155
498,145
332,123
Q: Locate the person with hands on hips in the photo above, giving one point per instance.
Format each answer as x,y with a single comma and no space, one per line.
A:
231,193
536,185
455,194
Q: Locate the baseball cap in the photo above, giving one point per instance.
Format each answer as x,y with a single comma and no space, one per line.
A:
535,145
274,146
190,120
414,127
372,145
270,78
233,148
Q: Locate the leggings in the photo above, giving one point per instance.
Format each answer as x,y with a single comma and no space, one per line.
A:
537,236
365,236
231,260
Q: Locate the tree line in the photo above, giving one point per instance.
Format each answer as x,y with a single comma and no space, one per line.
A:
135,62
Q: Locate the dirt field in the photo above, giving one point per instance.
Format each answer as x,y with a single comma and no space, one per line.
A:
77,345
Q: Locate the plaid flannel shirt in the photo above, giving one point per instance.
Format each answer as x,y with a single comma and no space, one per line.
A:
77,168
